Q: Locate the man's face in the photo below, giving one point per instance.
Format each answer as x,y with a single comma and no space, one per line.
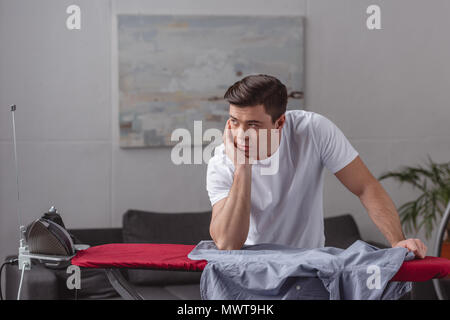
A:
252,127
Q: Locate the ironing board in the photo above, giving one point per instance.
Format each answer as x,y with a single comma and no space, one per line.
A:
112,257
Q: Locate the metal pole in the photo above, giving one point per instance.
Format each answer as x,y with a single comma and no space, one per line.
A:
13,109
438,246
24,262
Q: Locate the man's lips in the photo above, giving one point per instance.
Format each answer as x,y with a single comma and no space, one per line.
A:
242,147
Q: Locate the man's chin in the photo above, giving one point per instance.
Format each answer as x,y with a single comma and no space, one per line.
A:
256,156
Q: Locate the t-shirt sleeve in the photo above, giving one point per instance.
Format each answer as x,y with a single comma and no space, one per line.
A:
334,148
219,179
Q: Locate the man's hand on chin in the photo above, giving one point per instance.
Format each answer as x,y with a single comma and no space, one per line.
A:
414,245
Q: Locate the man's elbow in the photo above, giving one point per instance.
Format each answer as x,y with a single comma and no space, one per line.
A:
228,246
224,244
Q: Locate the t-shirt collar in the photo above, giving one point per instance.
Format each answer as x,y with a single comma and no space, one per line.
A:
268,160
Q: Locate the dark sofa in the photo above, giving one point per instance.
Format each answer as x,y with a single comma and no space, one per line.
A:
147,227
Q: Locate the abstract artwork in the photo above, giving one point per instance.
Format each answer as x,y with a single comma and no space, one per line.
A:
174,70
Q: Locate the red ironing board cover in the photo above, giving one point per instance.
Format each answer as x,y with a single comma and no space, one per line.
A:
423,269
139,255
174,257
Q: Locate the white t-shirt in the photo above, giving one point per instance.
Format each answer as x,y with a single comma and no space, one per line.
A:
287,207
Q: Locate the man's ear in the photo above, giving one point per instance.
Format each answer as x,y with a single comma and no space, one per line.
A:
280,122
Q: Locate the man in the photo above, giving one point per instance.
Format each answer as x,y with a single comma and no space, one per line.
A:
249,207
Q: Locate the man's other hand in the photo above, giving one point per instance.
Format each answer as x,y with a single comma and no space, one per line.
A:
414,245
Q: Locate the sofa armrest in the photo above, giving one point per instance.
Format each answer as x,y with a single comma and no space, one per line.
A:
49,283
39,283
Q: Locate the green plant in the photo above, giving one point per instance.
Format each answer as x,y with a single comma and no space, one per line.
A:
434,182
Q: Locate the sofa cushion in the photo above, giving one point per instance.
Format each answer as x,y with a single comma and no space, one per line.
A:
341,231
172,228
94,285
155,293
95,237
185,291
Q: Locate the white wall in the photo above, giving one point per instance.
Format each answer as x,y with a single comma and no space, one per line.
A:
61,83
386,89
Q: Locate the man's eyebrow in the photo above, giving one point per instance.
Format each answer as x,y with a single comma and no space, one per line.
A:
254,121
248,121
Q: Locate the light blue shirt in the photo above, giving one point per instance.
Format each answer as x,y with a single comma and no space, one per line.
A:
272,271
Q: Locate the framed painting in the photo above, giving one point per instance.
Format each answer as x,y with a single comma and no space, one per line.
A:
174,70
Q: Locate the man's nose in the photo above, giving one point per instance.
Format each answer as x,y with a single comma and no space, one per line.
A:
246,135
239,131
240,135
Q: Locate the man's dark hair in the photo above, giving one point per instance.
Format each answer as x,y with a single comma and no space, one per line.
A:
259,89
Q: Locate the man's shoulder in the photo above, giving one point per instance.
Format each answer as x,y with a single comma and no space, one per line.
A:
219,152
219,166
300,120
220,157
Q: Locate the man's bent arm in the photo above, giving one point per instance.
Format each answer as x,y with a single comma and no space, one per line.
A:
380,207
383,213
230,220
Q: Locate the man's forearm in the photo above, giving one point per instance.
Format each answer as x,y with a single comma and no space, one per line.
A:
382,211
232,223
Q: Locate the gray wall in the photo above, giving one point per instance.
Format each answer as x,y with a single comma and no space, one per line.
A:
387,90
